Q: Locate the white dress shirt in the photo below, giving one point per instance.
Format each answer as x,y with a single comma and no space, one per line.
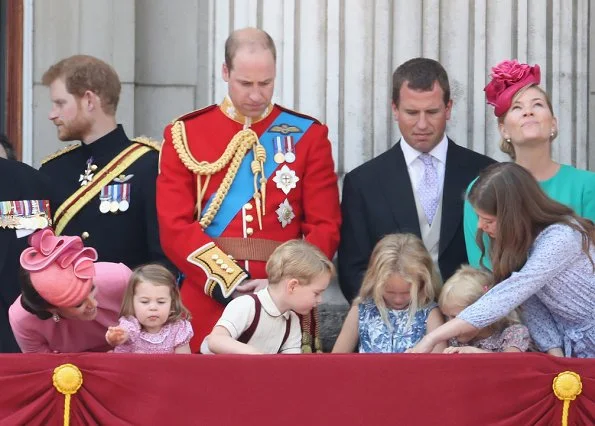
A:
416,167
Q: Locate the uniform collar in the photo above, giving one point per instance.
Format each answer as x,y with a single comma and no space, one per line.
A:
227,107
109,144
269,305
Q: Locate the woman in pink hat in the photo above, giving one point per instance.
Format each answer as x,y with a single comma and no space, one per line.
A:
528,128
67,300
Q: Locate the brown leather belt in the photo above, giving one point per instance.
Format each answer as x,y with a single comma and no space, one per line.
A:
247,248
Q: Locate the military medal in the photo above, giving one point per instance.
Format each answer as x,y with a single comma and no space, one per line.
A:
104,199
35,222
24,214
28,211
289,149
124,203
87,176
43,222
278,157
47,211
19,213
114,204
285,179
40,212
285,213
7,218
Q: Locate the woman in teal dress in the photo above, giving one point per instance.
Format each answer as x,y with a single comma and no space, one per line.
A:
528,127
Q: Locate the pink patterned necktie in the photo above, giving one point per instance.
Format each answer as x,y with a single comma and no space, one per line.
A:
427,190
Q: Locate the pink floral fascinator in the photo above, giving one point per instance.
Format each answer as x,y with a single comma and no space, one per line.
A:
508,77
61,269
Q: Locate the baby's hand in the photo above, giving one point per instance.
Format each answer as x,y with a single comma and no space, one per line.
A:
116,335
463,350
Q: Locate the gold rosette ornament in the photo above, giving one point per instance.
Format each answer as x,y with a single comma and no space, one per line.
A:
567,386
67,380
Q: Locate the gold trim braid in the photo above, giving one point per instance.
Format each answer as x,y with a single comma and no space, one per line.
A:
60,152
156,145
151,143
73,204
234,153
204,168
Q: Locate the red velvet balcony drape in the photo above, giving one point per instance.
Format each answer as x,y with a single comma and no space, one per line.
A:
122,389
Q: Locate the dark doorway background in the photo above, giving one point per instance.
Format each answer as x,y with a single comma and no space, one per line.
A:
11,71
3,35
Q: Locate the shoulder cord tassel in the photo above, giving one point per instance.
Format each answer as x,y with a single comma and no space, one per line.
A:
233,155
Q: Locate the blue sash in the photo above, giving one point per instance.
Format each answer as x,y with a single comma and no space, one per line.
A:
242,188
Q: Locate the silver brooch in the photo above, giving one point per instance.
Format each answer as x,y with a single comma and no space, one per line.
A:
285,213
286,179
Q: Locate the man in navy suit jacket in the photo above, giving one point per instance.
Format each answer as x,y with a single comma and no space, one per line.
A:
379,197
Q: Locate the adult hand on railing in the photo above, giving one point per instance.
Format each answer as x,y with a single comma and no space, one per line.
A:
464,350
556,352
452,328
424,346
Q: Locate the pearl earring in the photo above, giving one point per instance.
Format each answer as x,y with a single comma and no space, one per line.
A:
56,317
553,133
508,140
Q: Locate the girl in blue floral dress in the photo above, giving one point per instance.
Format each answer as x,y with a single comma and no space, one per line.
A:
396,304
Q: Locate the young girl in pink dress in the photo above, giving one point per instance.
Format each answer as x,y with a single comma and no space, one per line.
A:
152,318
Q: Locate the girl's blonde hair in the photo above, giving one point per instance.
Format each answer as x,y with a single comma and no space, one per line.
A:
405,255
465,287
156,275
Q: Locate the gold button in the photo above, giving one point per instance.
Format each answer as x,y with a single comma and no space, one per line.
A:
215,257
219,262
249,231
249,218
229,270
248,206
85,235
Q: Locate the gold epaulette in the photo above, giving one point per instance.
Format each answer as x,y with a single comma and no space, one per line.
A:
299,114
60,152
194,113
151,143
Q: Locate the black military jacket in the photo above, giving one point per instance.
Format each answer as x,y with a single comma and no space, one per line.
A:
18,182
128,236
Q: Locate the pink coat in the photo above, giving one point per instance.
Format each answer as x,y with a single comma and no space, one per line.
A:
37,335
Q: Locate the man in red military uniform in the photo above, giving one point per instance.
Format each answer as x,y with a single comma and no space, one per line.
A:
239,178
